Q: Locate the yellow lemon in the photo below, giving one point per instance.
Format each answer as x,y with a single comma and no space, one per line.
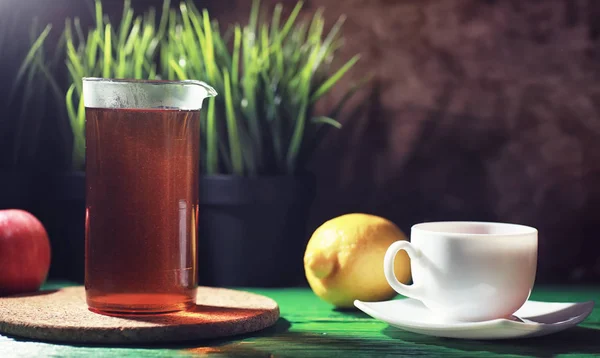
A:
344,259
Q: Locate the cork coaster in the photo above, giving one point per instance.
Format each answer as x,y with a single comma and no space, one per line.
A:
63,316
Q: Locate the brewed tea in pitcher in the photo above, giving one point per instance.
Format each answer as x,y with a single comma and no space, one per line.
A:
142,167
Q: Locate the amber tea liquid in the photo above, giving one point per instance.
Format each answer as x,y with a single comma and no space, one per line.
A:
141,207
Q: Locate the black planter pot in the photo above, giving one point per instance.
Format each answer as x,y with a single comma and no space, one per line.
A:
17,190
252,231
62,211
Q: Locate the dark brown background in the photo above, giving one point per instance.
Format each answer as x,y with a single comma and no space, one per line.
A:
478,110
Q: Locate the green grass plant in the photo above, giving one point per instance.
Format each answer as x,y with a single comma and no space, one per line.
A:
269,75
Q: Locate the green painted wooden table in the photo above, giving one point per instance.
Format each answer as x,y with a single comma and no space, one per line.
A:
309,327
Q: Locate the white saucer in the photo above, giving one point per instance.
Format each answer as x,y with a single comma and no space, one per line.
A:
532,320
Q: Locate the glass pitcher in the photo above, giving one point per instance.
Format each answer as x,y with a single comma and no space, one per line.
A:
142,163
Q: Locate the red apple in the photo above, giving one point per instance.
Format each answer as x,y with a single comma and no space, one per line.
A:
24,252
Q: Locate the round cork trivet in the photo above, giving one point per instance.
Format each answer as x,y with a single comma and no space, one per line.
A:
63,316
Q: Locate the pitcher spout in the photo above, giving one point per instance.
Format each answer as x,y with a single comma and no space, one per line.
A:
210,91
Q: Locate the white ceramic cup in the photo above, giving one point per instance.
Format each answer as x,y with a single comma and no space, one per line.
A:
468,271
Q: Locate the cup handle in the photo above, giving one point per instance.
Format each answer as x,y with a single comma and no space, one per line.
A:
414,290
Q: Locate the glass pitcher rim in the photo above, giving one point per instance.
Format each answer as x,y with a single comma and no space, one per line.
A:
126,80
143,93
208,87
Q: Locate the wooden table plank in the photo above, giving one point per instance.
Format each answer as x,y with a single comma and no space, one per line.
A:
311,328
